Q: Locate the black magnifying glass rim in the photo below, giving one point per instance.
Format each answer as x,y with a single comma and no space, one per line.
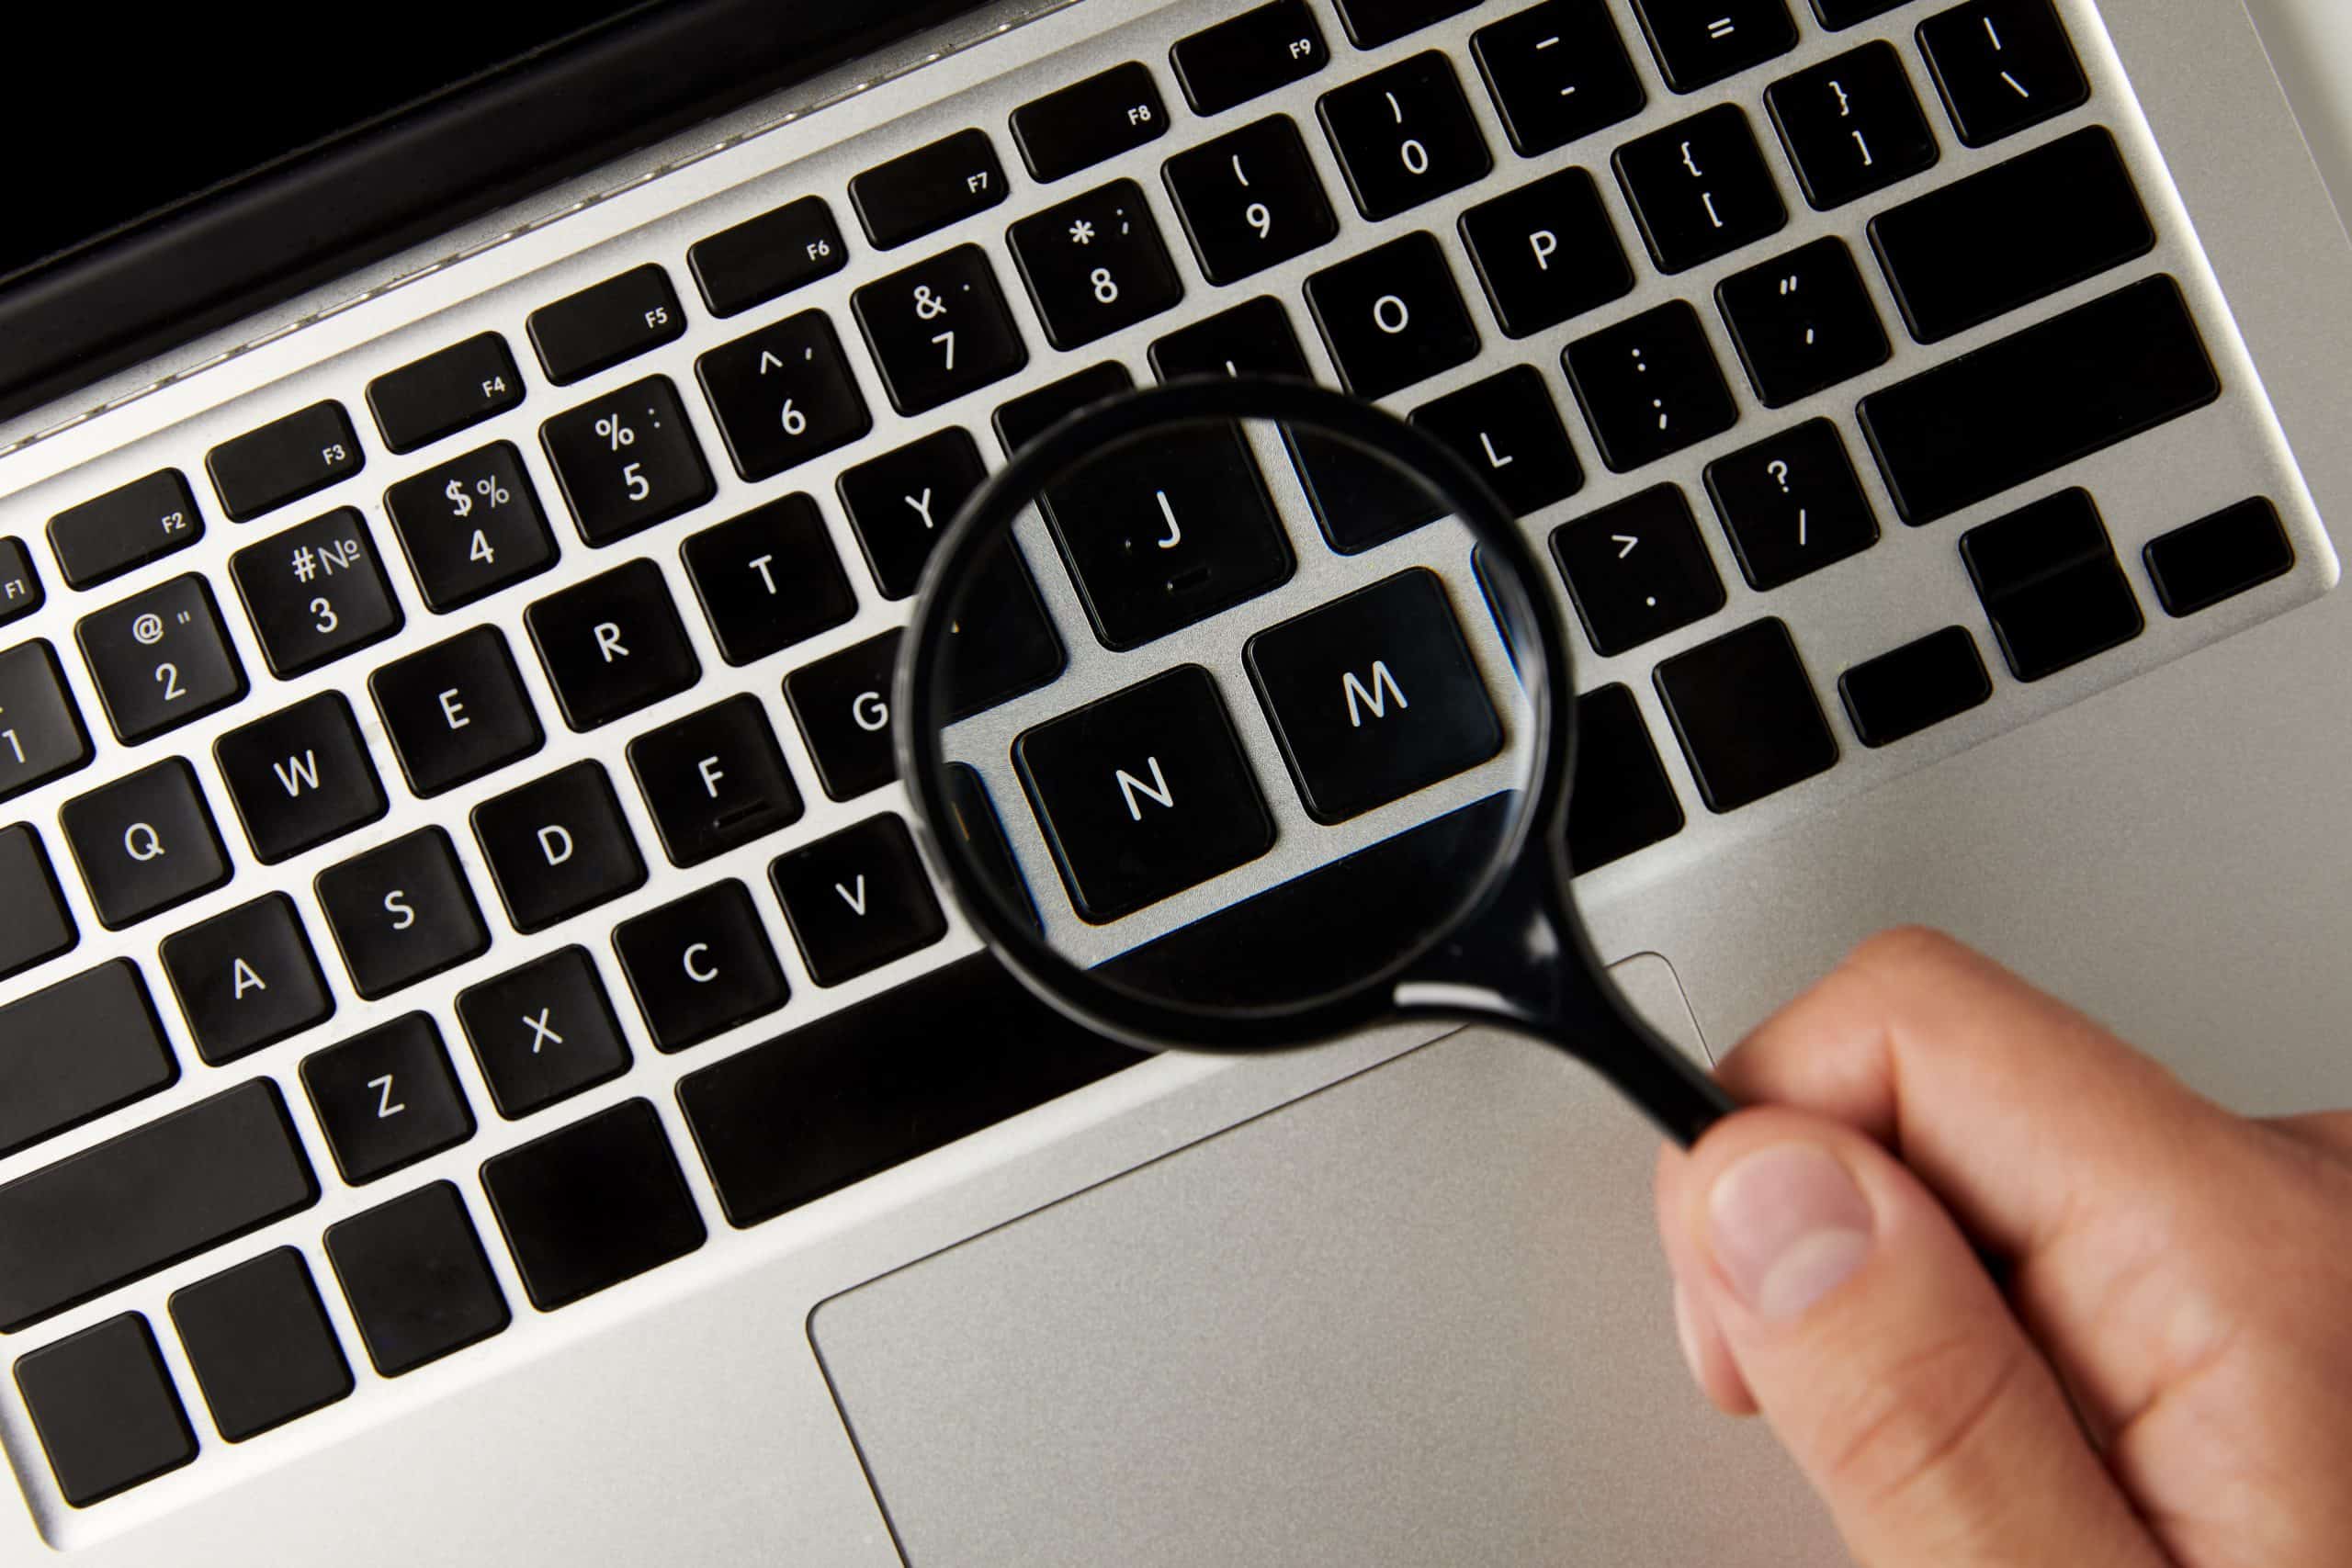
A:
1530,625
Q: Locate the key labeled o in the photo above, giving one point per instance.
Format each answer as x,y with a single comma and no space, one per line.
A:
1390,314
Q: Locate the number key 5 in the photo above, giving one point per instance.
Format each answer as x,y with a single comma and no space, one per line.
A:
627,461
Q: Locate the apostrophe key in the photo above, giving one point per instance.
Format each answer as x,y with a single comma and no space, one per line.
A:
1803,322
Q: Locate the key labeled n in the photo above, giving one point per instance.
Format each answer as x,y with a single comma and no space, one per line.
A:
297,773
1360,695
1131,787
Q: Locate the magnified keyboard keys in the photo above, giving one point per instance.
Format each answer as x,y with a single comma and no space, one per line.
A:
920,192
1080,126
1144,794
284,461
161,659
315,592
145,520
245,979
557,847
414,1274
543,1032
1372,23
612,645
35,925
627,461
1637,569
401,912
898,503
456,711
1620,800
764,257
1249,199
260,1344
2051,584
41,736
144,843
146,1199
1373,696
1508,429
445,393
1392,316
769,579
1915,687
599,1201
470,526
76,1050
1161,536
1852,125
606,324
1557,72
1746,715
2196,567
1403,135
857,899
105,1410
2016,232
1546,252
699,966
1803,322
1649,386
1700,189
1700,44
2002,65
300,777
939,329
21,592
783,394
1095,264
714,780
2034,401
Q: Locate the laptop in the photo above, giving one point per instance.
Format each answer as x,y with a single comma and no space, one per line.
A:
485,1075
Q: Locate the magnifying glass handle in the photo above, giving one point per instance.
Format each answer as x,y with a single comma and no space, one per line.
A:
1642,1063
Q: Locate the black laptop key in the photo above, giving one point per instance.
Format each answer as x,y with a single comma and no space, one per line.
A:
921,192
1843,13
386,1099
873,1086
768,578
146,1199
898,503
606,324
142,521
1745,711
1621,799
1095,264
144,843
1557,72
627,461
1852,125
1249,199
1700,42
75,1049
765,257
1162,536
612,645
1372,23
857,899
315,592
41,736
284,460
1250,55
1508,429
2199,565
1546,252
1144,794
245,979
21,591
1032,414
401,913
1637,569
1355,497
590,1205
470,526
1374,695
1791,504
2051,584
260,1344
1649,386
2019,231
161,659
1109,113
714,780
543,1032
783,394
1403,135
103,1406
2037,399
455,711
939,329
557,846
841,703
300,777
444,392
414,1274
1915,687
1254,337
2002,65
700,965
1803,322
1700,189
1392,316
35,925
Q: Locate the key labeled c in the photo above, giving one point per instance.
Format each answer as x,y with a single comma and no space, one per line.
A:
705,975
142,843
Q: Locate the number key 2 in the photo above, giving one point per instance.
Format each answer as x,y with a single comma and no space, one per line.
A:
939,329
161,659
1095,264
626,460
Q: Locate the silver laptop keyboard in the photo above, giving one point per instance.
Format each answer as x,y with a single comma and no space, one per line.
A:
450,864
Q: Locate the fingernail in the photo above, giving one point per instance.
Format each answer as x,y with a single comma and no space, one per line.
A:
1787,1226
1686,1331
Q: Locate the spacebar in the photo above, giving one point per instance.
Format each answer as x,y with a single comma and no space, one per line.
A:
158,1193
2034,401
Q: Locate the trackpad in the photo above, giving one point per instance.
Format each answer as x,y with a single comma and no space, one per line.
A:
1420,1317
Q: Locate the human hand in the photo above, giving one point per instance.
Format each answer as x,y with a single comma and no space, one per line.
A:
2169,1378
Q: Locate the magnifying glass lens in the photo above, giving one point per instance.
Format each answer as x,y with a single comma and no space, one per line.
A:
1220,724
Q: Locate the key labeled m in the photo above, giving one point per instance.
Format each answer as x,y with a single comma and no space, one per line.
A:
1375,696
297,773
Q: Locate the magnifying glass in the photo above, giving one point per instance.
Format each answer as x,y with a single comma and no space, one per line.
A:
1236,717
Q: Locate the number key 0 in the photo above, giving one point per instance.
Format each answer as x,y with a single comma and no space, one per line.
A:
627,461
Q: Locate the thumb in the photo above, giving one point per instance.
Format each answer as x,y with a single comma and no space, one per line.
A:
1882,1354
